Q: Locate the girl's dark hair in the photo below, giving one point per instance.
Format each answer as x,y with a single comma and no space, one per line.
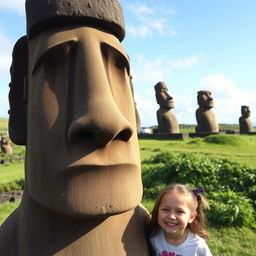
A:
197,227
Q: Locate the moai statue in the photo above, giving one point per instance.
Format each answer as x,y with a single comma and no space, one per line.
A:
167,121
6,146
245,124
83,179
205,117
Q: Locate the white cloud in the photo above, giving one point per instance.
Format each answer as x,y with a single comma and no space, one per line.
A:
160,68
138,31
149,71
147,22
5,54
147,107
4,105
188,62
185,107
228,97
140,9
17,6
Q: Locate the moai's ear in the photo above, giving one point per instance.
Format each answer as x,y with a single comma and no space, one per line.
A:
17,93
138,123
137,119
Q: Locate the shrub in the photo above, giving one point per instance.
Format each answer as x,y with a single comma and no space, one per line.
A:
252,193
16,185
212,174
162,157
223,139
235,176
181,168
231,208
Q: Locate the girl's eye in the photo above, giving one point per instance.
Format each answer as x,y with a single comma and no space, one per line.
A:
165,209
180,212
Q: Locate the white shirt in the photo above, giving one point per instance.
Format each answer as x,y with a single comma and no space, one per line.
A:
193,246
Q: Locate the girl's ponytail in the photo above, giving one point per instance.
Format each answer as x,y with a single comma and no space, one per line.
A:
198,226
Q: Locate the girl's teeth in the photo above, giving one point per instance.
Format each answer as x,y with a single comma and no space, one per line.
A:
171,224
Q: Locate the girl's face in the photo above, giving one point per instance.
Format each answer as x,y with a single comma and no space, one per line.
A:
174,213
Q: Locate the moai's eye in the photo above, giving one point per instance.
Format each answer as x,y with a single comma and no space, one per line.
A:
54,54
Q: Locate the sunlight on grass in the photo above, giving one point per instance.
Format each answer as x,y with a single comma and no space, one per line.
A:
6,209
231,238
244,151
11,172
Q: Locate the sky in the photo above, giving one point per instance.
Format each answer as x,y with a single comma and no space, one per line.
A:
190,45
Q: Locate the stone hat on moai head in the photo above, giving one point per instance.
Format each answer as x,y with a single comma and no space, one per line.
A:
45,14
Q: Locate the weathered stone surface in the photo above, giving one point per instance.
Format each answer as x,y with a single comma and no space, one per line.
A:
12,196
43,14
17,93
167,121
205,117
245,124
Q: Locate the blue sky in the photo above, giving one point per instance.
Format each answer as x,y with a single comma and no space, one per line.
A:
190,45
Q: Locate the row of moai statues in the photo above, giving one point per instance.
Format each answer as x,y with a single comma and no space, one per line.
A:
205,117
72,106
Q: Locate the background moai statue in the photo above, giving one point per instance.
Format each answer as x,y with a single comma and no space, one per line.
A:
6,146
205,117
167,121
245,124
83,179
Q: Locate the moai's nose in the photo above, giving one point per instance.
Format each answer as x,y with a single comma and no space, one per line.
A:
169,96
96,114
102,128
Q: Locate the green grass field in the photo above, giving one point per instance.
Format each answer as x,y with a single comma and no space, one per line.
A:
7,208
11,172
243,150
224,241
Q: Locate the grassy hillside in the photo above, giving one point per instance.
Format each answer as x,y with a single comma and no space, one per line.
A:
241,149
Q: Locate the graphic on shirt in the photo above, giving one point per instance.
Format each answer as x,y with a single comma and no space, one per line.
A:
165,253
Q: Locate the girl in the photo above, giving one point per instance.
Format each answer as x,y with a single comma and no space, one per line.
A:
177,225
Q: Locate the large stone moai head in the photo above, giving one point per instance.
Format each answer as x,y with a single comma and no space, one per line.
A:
82,148
206,119
167,121
204,99
245,124
162,96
